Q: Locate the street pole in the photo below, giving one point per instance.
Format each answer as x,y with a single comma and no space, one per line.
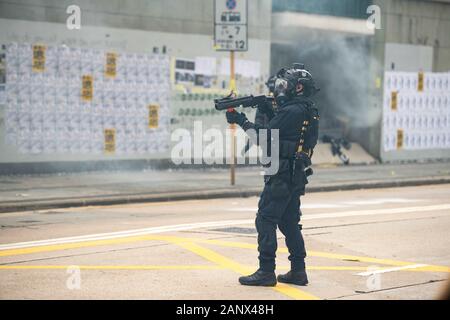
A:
233,125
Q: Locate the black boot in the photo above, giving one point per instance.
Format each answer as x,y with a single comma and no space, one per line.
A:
295,277
259,278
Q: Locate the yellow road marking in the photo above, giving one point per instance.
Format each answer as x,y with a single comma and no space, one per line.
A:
322,254
357,258
84,244
236,267
125,267
432,269
122,240
73,245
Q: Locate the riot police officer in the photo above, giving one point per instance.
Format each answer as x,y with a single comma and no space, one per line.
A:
297,120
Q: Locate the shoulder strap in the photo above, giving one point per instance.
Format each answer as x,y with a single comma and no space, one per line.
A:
312,117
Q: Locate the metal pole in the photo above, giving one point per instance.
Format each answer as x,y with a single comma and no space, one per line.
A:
232,126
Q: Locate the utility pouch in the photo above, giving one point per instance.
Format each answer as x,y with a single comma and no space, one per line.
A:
299,175
278,187
279,183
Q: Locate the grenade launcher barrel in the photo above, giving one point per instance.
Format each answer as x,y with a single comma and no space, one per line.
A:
247,101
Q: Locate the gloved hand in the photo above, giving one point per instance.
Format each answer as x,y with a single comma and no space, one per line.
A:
236,117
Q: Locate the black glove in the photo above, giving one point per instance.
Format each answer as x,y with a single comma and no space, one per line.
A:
236,117
267,109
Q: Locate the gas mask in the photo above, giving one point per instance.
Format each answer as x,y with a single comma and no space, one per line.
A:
280,91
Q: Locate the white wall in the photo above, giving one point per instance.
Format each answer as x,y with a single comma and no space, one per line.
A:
408,57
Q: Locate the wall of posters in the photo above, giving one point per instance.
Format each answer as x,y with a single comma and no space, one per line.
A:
416,111
63,99
2,74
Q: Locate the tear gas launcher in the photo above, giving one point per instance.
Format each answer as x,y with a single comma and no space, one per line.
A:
265,104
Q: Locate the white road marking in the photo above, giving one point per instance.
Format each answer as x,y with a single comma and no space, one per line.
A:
191,226
380,201
376,212
304,206
341,204
412,266
126,233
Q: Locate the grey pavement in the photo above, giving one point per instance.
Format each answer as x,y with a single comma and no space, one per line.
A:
28,192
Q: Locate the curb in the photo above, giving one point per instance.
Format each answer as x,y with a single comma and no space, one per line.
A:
201,195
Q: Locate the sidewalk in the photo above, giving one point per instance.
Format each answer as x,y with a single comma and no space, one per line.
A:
31,192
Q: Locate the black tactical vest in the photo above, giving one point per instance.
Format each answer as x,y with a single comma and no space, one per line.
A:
306,139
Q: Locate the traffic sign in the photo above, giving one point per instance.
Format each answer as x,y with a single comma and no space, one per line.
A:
230,25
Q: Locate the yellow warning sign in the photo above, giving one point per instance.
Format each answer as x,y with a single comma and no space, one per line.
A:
394,95
153,116
111,64
87,88
110,141
420,81
399,138
38,64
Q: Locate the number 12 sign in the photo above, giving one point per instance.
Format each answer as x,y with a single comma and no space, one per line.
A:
230,25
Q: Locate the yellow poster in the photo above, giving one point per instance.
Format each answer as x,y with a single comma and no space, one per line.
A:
420,81
394,100
87,88
153,116
38,64
111,64
378,82
110,141
399,138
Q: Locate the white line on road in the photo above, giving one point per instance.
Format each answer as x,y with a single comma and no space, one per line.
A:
126,233
380,201
377,212
339,204
191,226
412,266
304,206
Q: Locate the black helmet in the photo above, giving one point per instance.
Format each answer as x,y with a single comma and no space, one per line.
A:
270,84
288,79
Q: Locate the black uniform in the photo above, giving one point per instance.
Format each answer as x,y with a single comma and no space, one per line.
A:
279,204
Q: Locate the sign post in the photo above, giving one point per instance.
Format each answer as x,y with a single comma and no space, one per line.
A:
233,125
230,34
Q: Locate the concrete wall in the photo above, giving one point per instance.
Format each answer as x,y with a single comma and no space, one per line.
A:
184,27
425,23
177,16
423,27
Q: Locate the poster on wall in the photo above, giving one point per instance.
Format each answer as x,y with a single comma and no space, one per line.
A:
212,73
38,63
184,71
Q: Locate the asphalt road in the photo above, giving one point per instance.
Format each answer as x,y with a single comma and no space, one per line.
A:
364,244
